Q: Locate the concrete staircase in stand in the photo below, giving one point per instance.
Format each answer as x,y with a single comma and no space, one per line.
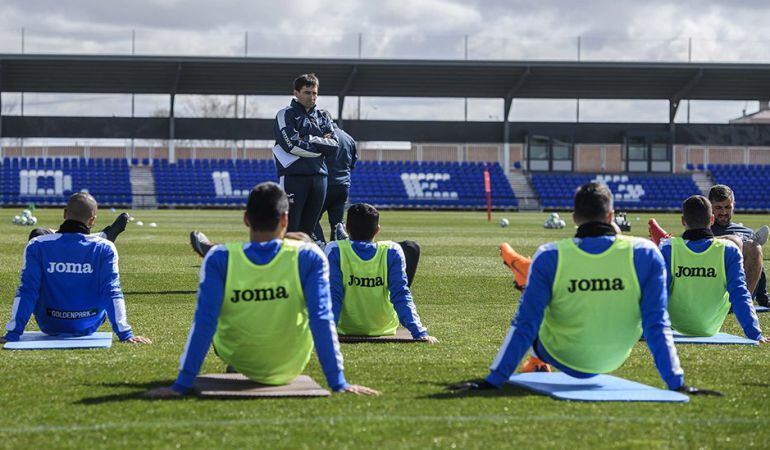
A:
704,182
520,182
143,188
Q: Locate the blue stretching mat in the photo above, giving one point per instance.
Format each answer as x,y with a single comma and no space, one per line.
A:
37,340
761,309
717,339
601,388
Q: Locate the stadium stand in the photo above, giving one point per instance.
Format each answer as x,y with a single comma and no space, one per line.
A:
409,184
749,182
395,184
649,192
49,181
209,182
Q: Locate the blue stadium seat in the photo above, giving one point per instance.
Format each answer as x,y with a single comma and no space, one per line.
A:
652,191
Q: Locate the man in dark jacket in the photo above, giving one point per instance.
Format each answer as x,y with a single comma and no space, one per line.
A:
339,166
304,136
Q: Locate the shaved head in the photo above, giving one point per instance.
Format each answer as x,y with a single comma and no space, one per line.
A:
81,207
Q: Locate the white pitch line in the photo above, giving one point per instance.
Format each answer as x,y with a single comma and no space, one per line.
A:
370,418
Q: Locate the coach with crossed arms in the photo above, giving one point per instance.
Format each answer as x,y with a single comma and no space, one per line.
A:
304,136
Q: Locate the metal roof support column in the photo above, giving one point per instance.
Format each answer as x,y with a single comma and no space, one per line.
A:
507,103
344,92
673,101
171,117
506,137
1,110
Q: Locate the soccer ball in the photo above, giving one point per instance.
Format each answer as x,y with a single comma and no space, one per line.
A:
26,213
139,223
23,220
554,222
32,220
152,224
16,220
504,222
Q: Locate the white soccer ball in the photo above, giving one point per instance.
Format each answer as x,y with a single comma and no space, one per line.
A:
16,220
139,223
131,218
26,213
23,220
32,220
152,224
504,222
562,223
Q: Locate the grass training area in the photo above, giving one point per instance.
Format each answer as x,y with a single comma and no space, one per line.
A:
464,294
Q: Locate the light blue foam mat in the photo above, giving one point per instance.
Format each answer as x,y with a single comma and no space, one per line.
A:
717,339
36,340
761,309
601,388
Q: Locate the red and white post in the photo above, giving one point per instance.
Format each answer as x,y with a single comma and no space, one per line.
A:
488,191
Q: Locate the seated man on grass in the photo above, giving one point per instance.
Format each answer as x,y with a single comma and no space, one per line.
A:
704,273
749,242
264,304
369,283
70,280
587,301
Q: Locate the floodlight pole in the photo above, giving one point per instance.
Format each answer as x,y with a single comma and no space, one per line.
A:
689,59
245,55
360,55
577,101
21,140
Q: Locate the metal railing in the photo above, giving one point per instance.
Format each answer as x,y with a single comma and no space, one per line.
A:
391,45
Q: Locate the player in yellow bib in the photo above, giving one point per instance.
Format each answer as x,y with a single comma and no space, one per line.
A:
264,304
588,300
369,282
706,277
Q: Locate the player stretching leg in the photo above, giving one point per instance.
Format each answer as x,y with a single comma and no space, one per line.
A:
588,301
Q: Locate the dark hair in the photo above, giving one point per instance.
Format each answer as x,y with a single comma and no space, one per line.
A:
720,193
362,222
593,202
267,203
81,206
696,211
306,79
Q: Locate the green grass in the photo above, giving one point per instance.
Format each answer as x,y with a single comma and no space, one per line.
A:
91,398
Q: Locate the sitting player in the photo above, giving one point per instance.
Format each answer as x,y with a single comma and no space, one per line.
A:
369,286
749,243
70,280
260,301
587,302
703,274
110,232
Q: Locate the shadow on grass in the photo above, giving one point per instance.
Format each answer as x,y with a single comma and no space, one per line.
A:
137,395
506,391
764,385
159,292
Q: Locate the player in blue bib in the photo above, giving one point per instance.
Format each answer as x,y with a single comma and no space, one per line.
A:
70,280
587,301
704,273
224,319
369,281
748,241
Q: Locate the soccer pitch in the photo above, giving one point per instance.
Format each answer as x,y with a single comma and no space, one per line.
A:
79,398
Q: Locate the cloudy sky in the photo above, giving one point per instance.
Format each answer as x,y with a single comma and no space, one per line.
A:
430,29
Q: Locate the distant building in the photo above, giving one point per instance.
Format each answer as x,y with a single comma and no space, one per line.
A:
760,117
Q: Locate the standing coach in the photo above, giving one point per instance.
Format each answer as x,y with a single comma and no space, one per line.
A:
304,136
339,166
